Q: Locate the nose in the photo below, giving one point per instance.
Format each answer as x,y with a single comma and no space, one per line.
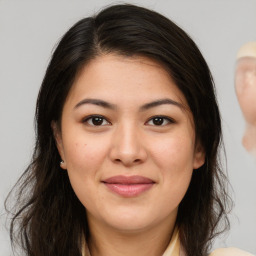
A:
127,147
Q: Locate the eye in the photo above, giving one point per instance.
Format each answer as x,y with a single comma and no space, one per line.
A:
96,120
159,121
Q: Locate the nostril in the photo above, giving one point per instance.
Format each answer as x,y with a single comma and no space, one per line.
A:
128,161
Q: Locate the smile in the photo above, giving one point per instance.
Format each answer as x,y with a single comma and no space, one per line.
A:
128,186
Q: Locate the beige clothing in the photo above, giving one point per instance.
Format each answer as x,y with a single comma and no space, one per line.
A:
175,249
229,252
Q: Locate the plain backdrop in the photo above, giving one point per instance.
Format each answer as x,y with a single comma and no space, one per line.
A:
30,29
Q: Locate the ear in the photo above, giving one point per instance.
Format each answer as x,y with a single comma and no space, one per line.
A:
199,156
59,144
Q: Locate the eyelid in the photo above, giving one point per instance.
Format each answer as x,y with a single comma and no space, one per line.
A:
166,118
85,120
169,119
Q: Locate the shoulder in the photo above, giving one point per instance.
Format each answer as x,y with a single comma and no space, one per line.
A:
229,252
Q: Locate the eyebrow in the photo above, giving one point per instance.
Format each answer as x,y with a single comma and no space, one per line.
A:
161,102
97,102
144,107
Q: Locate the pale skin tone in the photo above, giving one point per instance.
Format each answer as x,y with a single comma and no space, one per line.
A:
245,80
125,116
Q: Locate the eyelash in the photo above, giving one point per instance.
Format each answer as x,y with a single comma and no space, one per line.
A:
166,120
86,120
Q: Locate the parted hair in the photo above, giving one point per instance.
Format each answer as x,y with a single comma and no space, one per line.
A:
48,219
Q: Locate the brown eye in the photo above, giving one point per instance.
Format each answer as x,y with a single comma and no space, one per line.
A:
96,121
160,121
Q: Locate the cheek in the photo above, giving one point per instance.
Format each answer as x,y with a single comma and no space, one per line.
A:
175,158
84,158
84,162
83,153
174,154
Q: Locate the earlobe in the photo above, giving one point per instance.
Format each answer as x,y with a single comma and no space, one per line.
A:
199,157
59,144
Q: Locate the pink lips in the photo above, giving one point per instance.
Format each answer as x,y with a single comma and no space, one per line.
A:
128,186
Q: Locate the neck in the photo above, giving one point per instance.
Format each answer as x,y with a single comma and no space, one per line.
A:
104,241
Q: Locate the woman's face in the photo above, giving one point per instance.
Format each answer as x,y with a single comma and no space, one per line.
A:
246,94
128,143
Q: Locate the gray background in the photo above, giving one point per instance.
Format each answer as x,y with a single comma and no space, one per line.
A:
30,29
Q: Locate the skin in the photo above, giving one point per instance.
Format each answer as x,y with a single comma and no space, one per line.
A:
245,80
128,142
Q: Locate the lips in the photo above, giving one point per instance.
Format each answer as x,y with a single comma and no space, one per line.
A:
128,186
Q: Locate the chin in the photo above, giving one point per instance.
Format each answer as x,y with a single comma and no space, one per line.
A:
127,220
131,226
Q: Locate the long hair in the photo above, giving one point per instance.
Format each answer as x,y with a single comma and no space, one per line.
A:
49,219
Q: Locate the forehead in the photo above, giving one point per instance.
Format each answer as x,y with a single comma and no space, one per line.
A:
132,78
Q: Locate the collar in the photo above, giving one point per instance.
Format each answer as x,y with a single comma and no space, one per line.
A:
173,248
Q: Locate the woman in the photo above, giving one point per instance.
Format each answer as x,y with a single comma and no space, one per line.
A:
128,133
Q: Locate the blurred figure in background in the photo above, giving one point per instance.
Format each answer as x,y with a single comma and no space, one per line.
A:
245,83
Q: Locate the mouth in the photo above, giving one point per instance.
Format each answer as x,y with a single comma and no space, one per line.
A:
128,186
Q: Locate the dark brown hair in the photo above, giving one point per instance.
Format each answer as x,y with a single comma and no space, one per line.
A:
49,220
